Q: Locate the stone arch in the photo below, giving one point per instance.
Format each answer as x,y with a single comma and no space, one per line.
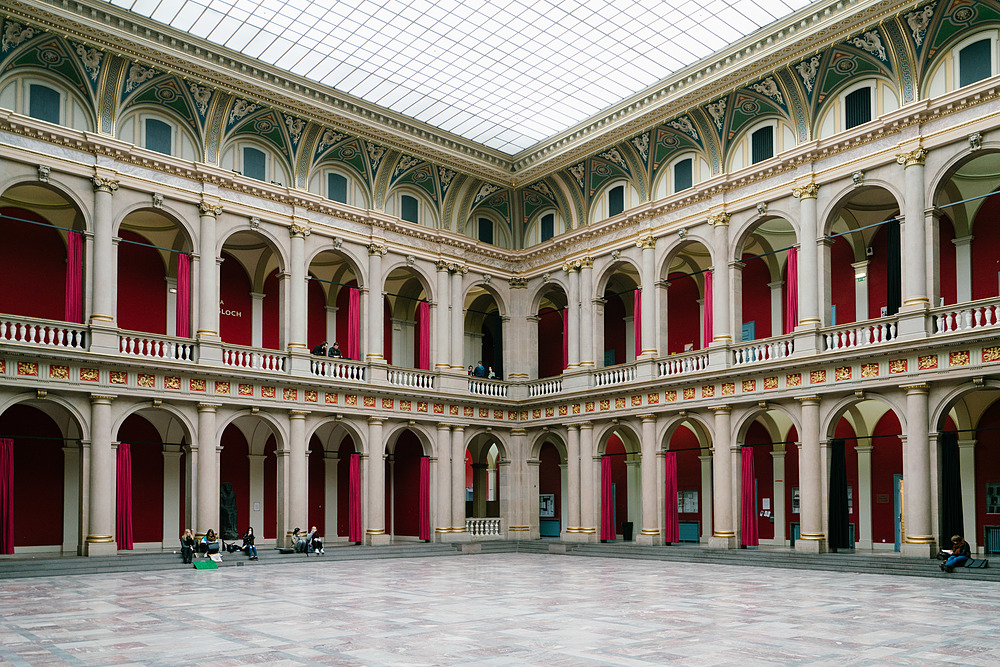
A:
420,430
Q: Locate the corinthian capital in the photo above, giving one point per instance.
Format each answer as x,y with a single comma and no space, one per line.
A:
572,265
915,157
104,184
377,249
299,230
214,210
807,191
719,220
647,242
518,282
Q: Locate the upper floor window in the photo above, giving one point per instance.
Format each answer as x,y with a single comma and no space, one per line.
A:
547,227
857,107
683,174
254,163
44,103
762,144
486,230
409,209
336,187
975,62
159,136
616,200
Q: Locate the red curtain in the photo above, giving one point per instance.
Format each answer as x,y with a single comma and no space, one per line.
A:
6,496
354,500
183,295
637,321
353,348
792,290
424,331
74,277
565,346
748,512
672,533
424,511
123,515
708,308
607,502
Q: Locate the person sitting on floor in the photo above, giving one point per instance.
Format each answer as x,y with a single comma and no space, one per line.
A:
209,544
959,554
315,542
248,544
301,546
187,546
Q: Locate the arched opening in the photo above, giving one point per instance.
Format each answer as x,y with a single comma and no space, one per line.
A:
334,304
42,254
483,332
483,458
621,510
250,293
621,303
551,471
407,488
693,468
686,275
407,321
552,332
248,475
767,296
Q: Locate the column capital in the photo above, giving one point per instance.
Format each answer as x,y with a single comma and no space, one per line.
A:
719,409
441,265
649,417
208,407
101,398
209,209
375,421
378,249
647,242
298,414
587,262
919,388
913,158
967,444
808,400
586,425
518,282
719,219
572,265
299,230
102,184
808,191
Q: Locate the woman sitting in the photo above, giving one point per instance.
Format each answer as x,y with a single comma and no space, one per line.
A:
315,542
248,544
299,541
959,554
187,546
209,544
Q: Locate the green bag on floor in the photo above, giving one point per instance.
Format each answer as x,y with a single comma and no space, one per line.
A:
206,565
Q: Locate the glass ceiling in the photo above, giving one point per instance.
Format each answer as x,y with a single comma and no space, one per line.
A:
504,73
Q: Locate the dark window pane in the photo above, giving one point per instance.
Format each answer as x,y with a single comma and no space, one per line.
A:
158,136
44,103
254,163
616,200
548,226
974,63
858,108
336,188
762,144
485,230
409,210
683,176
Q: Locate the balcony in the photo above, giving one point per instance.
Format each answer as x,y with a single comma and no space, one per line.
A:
43,333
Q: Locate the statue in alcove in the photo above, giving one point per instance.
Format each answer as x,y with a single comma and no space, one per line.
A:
228,513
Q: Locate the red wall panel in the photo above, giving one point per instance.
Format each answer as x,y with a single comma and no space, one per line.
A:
272,313
946,257
683,314
316,324
234,467
38,459
147,479
550,476
406,484
685,443
236,307
841,281
142,288
757,297
344,486
550,342
887,460
270,490
614,326
616,450
986,249
32,267
317,486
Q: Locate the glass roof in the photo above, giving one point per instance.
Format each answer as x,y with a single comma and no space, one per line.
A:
504,73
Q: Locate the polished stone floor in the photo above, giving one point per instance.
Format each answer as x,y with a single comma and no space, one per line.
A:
510,609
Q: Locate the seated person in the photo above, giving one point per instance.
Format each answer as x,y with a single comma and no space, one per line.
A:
209,544
958,555
335,350
248,544
315,543
187,546
320,350
299,541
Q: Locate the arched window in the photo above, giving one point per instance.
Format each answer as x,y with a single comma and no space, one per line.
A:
256,161
338,184
969,61
485,230
157,130
615,199
414,206
760,142
855,105
858,107
683,173
336,187
975,62
46,100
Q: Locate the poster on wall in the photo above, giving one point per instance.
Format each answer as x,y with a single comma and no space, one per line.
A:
795,500
993,498
687,502
547,505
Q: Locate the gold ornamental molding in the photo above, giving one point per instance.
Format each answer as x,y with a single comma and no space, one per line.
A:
299,230
587,262
648,242
808,191
719,219
108,185
378,249
914,158
572,265
209,208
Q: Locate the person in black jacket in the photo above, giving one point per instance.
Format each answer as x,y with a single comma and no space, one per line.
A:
187,546
248,545
960,553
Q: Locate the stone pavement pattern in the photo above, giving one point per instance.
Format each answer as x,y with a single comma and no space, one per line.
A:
509,609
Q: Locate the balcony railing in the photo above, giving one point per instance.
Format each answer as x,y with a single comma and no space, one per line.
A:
679,364
763,350
613,375
481,387
971,316
43,332
546,387
253,359
484,527
407,377
855,335
156,347
339,369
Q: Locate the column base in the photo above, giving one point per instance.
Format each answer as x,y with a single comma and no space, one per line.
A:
453,537
377,540
209,350
300,362
808,340
722,542
649,540
100,548
577,536
104,339
811,546
912,322
928,550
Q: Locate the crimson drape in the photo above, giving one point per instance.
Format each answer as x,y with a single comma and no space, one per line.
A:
607,502
637,321
74,277
123,480
565,345
354,500
708,308
183,295
353,346
792,290
748,512
6,496
424,512
424,324
671,534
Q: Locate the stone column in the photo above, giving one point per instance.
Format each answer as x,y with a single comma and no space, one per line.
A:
813,540
586,313
457,302
375,533
572,481
863,497
808,261
918,540
331,463
105,281
723,534
650,533
963,272
967,470
721,305
532,351
73,497
573,316
914,250
458,483
778,497
375,314
519,487
257,319
706,498
208,471
171,494
442,328
256,504
648,298
285,526
479,489
298,514
101,525
444,484
588,492
208,273
860,290
298,313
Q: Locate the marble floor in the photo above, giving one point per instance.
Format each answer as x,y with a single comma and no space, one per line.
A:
509,609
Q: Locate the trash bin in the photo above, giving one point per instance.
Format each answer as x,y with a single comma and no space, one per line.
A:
627,531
